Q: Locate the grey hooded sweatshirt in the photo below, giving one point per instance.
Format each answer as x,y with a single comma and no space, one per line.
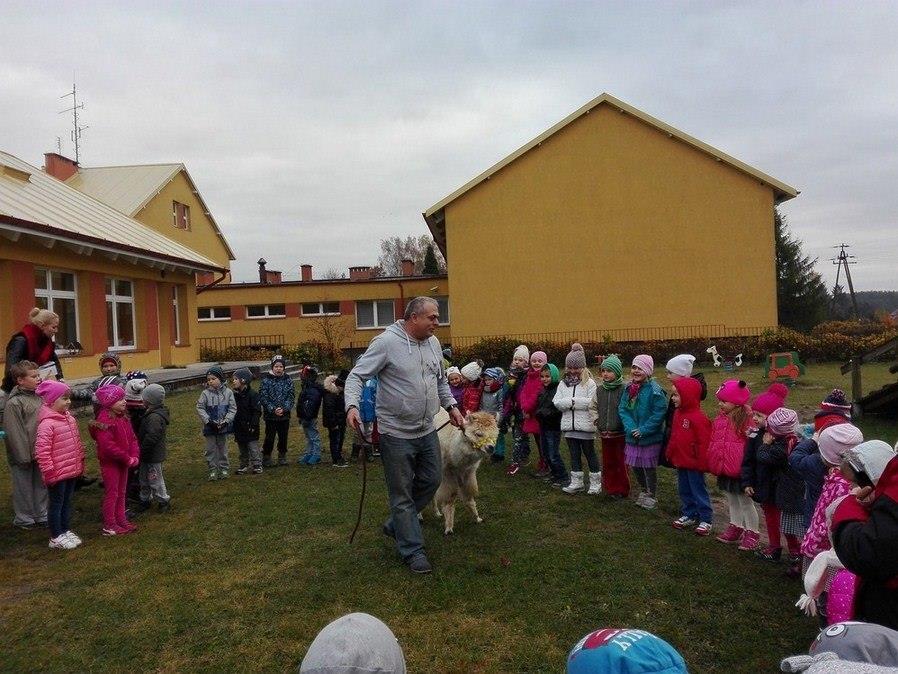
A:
411,385
357,643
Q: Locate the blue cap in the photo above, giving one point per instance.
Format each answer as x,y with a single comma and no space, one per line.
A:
625,652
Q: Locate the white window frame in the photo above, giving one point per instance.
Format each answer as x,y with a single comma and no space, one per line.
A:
268,313
444,320
212,316
377,325
122,299
177,314
50,294
321,311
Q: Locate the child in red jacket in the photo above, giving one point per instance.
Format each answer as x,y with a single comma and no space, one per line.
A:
687,450
117,451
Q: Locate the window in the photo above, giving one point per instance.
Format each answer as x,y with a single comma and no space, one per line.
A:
57,291
120,313
180,215
214,313
321,309
374,313
266,311
443,304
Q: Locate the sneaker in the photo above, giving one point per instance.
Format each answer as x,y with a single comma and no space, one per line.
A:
388,531
243,470
559,483
640,500
341,464
75,538
128,527
26,527
649,502
313,460
164,506
143,506
513,468
223,475
750,540
770,553
684,522
731,534
266,462
419,564
213,475
303,460
703,529
376,453
62,542
112,531
257,470
282,460
542,474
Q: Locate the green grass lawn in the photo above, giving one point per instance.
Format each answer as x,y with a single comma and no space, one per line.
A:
242,574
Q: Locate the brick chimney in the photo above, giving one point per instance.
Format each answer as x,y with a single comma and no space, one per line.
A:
305,272
61,168
359,273
408,267
272,277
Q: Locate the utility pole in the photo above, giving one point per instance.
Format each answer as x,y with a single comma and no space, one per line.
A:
844,260
76,130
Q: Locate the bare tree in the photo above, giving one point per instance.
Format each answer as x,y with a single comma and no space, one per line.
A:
333,273
396,249
331,332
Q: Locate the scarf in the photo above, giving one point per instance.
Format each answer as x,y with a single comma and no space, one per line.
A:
571,380
816,540
40,347
633,389
616,383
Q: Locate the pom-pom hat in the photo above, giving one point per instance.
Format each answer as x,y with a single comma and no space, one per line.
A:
471,371
773,398
734,391
108,395
576,358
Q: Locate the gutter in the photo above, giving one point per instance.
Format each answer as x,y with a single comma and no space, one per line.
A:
212,285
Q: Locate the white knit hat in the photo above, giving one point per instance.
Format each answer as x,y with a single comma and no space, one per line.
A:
681,365
471,371
522,352
835,441
452,370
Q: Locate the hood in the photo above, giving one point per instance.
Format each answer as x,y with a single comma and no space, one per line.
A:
871,457
162,411
330,384
16,391
690,391
49,413
553,370
398,329
357,643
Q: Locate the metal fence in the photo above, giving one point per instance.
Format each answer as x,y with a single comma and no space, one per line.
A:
254,342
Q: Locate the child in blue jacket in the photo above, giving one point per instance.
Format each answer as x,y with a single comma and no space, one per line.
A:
307,410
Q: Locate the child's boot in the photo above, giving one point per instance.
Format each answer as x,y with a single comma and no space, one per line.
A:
732,534
750,540
770,553
595,484
576,484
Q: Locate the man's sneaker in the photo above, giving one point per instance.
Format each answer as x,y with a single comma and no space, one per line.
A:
75,538
257,470
649,502
341,464
388,531
213,475
703,529
770,553
513,468
112,531
419,564
243,470
62,542
142,506
731,534
750,540
684,522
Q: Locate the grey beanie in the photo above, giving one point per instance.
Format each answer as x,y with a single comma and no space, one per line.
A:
153,395
244,375
217,372
577,356
357,643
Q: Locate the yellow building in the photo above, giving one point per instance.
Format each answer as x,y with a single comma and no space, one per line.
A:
611,223
346,312
117,283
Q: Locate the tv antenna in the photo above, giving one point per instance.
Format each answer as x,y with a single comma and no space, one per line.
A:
76,129
843,259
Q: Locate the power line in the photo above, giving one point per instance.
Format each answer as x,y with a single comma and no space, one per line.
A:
844,260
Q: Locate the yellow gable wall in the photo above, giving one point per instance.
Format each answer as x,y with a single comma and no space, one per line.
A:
201,236
608,225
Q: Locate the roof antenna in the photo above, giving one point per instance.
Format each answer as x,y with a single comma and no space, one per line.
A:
76,130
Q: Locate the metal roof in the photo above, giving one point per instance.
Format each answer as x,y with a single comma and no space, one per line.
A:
782,191
130,188
34,203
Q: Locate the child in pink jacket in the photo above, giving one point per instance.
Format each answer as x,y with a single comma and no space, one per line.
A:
60,455
117,451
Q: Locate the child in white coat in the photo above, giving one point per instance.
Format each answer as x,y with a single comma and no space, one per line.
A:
574,398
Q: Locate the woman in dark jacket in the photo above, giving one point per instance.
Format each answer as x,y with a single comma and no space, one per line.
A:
33,342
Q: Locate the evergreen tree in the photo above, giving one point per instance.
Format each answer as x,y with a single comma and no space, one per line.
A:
800,294
431,266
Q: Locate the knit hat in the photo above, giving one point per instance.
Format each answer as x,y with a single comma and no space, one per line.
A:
452,370
135,374
447,353
771,399
782,422
494,373
110,379
645,363
471,371
870,457
216,372
278,358
836,403
681,365
614,364
835,441
50,390
108,395
134,388
522,352
553,371
357,643
734,391
576,357
341,378
244,375
153,395
629,651
110,357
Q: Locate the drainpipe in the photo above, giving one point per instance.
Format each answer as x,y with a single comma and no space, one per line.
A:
213,284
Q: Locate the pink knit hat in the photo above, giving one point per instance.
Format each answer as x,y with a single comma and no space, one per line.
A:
645,363
51,391
110,394
771,399
835,441
782,421
734,391
540,355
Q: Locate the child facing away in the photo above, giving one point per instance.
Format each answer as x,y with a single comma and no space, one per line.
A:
135,382
60,455
307,410
216,408
687,451
574,399
277,395
20,418
642,409
726,451
527,391
153,450
333,415
117,451
246,422
615,481
472,387
549,418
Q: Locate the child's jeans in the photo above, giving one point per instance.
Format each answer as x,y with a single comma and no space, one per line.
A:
29,495
152,483
60,507
578,446
615,478
694,495
217,452
550,441
313,439
521,451
335,437
250,454
115,482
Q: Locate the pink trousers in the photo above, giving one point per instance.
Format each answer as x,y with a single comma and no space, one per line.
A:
115,483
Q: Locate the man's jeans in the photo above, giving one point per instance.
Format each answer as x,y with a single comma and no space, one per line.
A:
413,470
313,438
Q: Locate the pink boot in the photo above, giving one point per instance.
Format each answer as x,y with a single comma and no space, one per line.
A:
731,534
750,541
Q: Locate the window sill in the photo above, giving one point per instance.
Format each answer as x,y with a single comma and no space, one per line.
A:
373,327
262,318
318,315
218,320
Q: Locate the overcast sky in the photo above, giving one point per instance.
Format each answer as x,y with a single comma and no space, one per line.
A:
313,130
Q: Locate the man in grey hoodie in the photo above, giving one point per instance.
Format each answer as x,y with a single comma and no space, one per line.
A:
407,360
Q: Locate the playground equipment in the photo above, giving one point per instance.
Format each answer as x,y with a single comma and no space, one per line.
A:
785,365
729,364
